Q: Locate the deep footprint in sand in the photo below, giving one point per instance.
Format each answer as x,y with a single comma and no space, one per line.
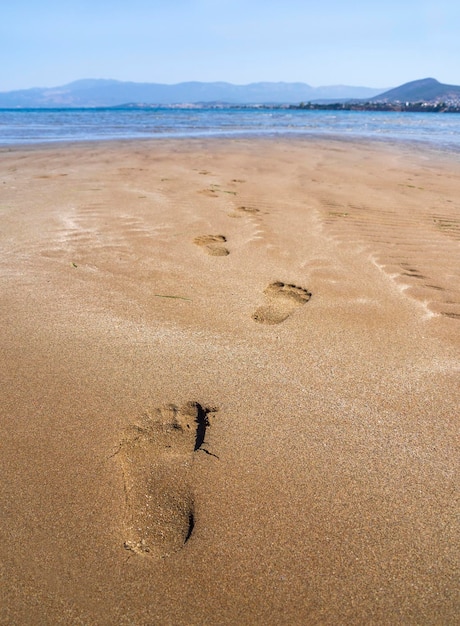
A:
282,300
156,458
212,244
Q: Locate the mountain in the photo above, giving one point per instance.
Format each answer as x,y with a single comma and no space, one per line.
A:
101,92
425,90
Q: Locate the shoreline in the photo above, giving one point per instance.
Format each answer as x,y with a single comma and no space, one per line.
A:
257,340
271,136
412,146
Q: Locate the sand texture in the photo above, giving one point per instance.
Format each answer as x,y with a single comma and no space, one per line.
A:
230,383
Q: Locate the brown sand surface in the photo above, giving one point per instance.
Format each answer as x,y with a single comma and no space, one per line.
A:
229,389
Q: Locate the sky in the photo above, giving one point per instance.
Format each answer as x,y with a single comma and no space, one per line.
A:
372,43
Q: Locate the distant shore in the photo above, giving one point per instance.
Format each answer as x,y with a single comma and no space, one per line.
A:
404,107
408,107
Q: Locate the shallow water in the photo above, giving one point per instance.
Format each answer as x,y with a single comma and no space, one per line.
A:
30,126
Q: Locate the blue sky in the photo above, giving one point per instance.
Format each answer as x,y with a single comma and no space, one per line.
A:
375,43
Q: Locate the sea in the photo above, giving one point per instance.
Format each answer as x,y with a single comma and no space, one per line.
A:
35,126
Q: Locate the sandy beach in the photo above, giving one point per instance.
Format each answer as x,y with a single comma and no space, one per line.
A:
230,383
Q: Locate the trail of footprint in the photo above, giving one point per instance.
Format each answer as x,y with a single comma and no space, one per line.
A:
212,244
156,459
282,300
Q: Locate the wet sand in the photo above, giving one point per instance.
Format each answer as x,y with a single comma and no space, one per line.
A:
230,383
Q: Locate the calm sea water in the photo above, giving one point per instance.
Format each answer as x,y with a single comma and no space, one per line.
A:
43,125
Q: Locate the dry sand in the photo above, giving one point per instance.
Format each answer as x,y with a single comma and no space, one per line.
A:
229,389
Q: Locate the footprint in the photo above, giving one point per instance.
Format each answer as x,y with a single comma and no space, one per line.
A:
211,193
212,244
244,210
156,459
282,299
247,209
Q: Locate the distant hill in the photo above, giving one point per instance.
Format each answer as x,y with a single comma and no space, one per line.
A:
101,92
425,90
107,93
